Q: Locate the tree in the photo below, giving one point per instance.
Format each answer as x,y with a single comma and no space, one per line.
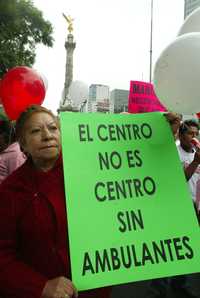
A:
22,27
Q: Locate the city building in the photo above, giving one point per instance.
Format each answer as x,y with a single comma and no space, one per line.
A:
119,100
91,106
103,106
98,98
98,92
190,5
98,106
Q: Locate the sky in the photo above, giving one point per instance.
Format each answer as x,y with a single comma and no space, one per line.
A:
112,41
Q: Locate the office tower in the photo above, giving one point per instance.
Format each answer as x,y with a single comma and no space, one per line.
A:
98,92
190,5
119,100
98,98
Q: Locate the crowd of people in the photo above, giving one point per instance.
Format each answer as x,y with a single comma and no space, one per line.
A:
34,252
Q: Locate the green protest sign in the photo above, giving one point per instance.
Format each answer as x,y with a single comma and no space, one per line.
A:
130,213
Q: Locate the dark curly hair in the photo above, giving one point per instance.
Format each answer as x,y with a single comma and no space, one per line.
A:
186,124
7,129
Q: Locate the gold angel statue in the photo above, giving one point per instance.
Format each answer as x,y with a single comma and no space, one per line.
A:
69,21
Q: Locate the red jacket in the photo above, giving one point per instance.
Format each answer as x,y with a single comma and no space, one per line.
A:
33,234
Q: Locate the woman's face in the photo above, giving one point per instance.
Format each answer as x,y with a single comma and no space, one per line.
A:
41,137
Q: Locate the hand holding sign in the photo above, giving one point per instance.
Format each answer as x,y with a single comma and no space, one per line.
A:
174,120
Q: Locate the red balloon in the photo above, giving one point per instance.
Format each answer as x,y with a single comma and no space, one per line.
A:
21,87
198,115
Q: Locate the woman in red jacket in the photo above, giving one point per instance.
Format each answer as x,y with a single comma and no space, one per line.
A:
34,253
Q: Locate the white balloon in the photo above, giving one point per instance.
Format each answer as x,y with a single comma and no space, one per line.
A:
191,23
177,74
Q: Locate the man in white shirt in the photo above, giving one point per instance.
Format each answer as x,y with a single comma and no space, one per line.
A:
183,286
190,157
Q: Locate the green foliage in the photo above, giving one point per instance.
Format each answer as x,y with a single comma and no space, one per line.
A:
22,27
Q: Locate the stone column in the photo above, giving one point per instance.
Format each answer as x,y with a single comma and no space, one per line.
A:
66,103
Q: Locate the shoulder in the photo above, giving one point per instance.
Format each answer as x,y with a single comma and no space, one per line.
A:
178,146
18,178
16,193
12,152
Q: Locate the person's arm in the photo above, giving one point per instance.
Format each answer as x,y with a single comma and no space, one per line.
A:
174,120
191,168
16,278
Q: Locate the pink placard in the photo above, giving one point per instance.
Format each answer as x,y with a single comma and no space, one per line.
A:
142,98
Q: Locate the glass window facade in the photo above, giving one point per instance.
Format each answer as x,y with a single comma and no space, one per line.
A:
190,5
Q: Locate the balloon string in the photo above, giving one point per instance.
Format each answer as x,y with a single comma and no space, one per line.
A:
11,138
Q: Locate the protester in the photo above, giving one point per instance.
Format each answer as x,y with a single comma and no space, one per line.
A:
190,157
34,252
11,156
183,285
